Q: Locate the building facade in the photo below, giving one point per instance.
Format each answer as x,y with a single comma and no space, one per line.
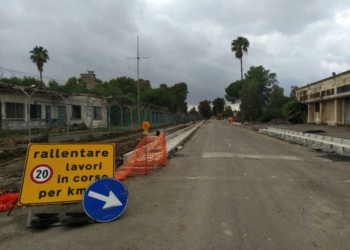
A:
25,106
90,79
328,100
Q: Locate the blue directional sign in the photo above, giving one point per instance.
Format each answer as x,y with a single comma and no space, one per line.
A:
105,200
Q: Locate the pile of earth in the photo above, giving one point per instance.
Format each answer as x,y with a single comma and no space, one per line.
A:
278,121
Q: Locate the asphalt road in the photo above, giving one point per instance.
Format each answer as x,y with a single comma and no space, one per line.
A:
229,188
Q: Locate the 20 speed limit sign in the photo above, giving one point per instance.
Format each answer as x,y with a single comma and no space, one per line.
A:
41,174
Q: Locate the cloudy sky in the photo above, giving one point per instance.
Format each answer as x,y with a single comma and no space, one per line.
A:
186,40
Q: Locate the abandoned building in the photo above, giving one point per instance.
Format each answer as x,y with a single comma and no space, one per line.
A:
23,106
328,100
90,79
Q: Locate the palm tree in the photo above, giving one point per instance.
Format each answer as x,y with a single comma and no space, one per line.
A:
239,46
39,56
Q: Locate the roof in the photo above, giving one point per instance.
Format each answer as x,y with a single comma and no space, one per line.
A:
325,79
11,88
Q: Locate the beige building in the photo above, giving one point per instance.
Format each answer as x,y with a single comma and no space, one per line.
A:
328,100
90,79
25,106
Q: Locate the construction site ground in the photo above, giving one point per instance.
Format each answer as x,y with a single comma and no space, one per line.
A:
13,160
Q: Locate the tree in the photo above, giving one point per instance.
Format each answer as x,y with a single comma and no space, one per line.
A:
30,81
53,85
127,85
13,80
233,91
179,91
239,47
228,112
26,81
193,111
218,106
144,85
160,96
39,56
277,98
75,85
205,108
107,89
265,80
251,104
276,103
293,90
294,112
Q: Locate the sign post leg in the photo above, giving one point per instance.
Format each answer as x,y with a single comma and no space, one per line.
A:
13,205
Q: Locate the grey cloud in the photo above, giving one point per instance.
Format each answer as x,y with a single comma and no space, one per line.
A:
186,41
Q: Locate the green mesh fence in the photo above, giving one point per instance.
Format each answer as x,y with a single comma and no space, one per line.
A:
14,133
128,118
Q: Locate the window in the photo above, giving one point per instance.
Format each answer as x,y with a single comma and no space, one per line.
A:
35,111
315,95
317,107
97,113
14,110
343,89
76,112
327,92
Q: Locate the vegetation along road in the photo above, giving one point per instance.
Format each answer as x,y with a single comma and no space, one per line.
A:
229,188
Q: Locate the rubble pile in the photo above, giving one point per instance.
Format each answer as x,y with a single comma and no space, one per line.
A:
278,121
9,154
74,127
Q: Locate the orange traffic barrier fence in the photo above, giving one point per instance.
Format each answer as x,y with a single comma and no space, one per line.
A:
7,200
149,154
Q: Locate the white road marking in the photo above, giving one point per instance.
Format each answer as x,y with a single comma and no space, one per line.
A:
226,139
244,156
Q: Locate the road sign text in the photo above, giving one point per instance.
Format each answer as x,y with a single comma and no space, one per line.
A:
59,173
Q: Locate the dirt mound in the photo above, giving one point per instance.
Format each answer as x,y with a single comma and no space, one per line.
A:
278,121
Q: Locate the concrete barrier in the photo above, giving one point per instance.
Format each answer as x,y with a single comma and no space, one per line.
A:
325,143
174,139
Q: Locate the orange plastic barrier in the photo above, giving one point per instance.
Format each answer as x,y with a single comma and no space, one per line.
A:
7,200
149,154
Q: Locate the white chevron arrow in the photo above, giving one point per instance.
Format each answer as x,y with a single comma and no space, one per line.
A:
111,200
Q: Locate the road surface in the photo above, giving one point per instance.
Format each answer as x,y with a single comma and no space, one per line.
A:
228,188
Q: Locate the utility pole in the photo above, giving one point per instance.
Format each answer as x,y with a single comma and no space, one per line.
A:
138,80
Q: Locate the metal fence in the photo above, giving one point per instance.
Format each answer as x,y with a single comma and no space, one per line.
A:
68,124
36,118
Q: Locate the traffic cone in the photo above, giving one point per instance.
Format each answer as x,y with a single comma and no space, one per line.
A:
260,131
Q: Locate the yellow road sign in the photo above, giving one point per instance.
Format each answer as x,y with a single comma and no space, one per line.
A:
60,173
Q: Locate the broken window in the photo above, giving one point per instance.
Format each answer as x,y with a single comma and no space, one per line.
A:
35,111
97,113
76,112
14,110
317,107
